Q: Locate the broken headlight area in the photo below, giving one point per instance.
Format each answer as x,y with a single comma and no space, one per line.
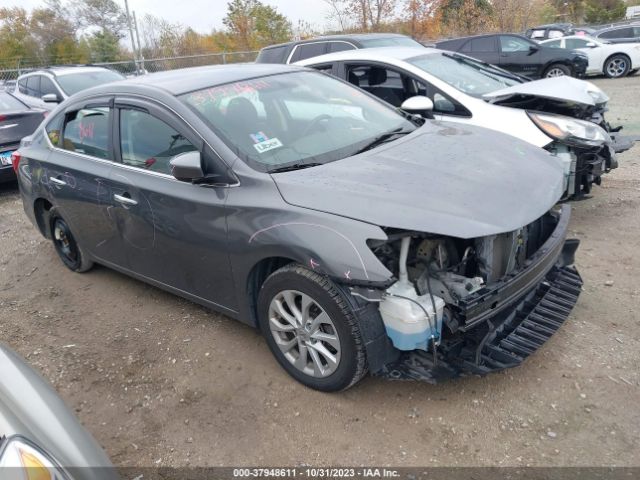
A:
583,166
471,306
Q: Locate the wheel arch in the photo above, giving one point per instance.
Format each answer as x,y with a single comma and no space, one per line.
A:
256,278
41,209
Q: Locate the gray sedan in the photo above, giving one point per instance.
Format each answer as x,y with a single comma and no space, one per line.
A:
355,236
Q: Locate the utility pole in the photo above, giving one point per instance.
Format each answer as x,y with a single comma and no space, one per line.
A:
133,42
135,27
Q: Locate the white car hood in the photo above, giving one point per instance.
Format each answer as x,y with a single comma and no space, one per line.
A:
565,89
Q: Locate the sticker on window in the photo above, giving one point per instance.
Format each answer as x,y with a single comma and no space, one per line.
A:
262,143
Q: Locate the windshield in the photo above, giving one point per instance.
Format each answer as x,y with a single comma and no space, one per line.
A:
389,42
8,103
75,82
466,75
294,118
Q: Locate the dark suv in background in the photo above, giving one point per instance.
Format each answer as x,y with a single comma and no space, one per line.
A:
301,50
519,55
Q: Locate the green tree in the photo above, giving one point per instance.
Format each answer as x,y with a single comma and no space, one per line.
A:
253,24
603,11
106,15
104,46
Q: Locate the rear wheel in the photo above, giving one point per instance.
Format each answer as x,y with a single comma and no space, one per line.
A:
311,329
617,66
557,70
66,246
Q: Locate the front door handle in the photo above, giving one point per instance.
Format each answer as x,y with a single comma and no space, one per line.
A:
58,182
128,201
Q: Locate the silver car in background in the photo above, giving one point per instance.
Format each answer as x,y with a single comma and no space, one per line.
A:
39,436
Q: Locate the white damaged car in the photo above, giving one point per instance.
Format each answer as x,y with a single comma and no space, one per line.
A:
563,115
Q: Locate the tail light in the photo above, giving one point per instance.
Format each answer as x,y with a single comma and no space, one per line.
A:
15,160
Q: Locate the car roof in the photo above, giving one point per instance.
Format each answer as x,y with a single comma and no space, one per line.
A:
355,36
66,70
616,27
186,80
371,54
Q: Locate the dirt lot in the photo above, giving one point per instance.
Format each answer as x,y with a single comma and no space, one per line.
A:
161,381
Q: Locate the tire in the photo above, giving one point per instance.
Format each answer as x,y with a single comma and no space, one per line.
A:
557,70
617,66
336,331
66,246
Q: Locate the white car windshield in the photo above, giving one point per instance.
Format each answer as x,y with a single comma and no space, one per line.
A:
467,75
75,82
291,119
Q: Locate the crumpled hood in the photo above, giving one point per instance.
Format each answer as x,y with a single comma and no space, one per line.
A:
565,89
444,178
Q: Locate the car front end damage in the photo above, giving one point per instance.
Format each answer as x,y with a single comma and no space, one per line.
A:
468,306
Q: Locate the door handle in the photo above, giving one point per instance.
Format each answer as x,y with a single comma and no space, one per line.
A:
128,201
57,181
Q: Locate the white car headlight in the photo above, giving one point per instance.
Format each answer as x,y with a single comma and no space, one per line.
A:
22,460
570,130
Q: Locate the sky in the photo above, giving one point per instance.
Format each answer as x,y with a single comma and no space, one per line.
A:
204,15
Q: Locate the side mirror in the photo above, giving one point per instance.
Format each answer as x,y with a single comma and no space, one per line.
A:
187,167
418,104
591,45
533,49
50,98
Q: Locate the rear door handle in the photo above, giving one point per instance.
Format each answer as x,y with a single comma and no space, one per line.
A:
128,201
57,181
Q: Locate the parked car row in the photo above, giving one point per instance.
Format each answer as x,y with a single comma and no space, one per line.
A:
623,33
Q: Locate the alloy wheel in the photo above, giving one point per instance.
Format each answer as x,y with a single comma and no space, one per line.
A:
617,67
555,72
304,333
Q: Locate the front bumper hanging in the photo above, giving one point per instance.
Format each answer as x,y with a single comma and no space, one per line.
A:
507,344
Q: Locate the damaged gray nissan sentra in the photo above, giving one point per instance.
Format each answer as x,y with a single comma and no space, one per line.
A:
355,237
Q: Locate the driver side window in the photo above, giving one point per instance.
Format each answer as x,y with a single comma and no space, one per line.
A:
382,82
149,143
442,103
513,44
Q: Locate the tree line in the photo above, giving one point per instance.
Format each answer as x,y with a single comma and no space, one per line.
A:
91,31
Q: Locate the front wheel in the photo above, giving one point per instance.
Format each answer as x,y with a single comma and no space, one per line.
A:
557,70
617,66
311,329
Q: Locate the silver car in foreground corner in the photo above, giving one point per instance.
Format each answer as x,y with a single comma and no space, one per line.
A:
39,436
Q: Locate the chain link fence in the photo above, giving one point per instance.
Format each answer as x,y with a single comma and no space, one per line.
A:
9,74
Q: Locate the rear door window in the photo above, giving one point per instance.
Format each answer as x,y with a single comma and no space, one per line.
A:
148,143
309,50
33,86
553,44
340,47
618,33
86,131
484,44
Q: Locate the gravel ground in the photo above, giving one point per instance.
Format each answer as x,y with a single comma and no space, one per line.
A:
161,381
